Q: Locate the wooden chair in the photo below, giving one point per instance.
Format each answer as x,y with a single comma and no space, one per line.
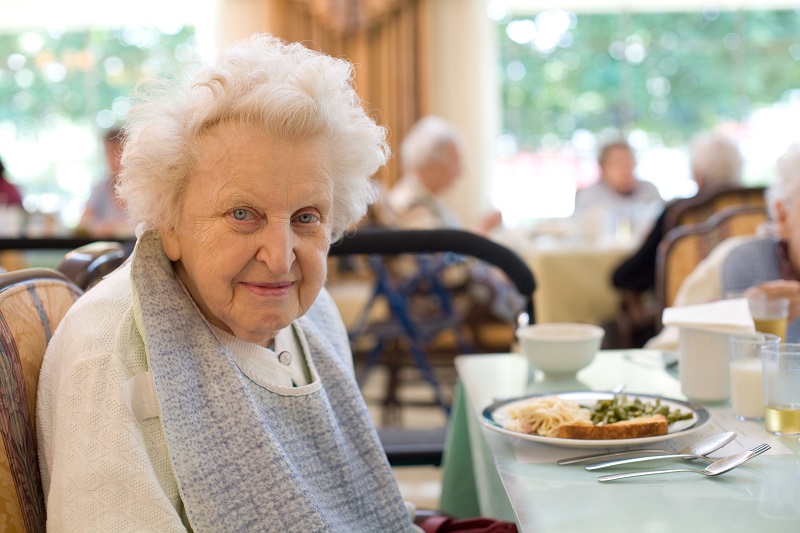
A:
88,264
685,246
32,303
703,206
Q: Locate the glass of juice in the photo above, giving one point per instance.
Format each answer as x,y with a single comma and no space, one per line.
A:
770,315
781,370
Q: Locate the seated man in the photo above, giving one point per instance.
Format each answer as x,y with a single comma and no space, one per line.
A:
759,263
618,191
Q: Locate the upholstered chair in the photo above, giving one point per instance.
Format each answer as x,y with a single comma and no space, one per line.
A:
32,303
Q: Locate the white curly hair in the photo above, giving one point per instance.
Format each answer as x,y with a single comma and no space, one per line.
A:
786,184
289,91
716,159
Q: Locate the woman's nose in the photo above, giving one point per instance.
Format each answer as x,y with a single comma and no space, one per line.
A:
277,249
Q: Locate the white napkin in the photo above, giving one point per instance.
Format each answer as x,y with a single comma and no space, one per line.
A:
731,316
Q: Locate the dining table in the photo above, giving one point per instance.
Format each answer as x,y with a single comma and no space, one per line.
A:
573,273
487,472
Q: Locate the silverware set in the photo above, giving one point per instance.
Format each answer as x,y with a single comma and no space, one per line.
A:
698,450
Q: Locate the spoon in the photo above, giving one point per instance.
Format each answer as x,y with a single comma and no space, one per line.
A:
720,466
723,438
698,450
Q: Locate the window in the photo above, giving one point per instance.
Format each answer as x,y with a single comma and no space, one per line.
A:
570,81
63,86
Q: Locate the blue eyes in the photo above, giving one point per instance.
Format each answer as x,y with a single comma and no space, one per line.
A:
240,214
243,215
306,218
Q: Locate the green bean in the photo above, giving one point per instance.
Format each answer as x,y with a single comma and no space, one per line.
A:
620,408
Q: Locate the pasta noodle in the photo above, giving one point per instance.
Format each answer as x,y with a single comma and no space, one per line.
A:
542,416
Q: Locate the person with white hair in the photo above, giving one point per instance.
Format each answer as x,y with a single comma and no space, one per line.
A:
208,383
430,160
768,264
716,163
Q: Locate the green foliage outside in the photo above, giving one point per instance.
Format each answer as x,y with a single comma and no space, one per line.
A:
686,72
53,84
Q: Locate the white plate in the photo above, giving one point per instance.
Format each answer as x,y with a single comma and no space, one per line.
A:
496,414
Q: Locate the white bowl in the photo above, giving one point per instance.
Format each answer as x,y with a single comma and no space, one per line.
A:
560,349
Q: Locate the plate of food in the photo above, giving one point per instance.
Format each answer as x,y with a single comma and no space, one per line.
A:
588,419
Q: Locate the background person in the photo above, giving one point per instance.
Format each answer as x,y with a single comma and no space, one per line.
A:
716,163
105,215
207,384
9,193
618,195
757,263
430,156
430,159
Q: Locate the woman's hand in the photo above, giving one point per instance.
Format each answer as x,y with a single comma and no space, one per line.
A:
780,288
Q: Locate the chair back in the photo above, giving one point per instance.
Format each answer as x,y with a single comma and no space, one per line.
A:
685,246
389,242
703,206
434,250
32,303
88,264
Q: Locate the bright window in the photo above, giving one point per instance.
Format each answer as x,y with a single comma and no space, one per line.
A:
64,80
570,81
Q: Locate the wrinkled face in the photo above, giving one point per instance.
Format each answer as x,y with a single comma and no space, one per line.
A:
440,175
253,235
617,169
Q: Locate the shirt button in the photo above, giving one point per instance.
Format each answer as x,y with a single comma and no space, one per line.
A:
285,358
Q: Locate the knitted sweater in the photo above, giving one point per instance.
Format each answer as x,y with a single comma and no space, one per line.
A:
226,453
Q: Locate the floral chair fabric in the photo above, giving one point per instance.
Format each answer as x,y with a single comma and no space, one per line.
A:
32,303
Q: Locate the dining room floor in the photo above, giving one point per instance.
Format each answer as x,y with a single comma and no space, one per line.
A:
418,484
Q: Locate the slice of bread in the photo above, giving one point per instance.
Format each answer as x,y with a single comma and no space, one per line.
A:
646,426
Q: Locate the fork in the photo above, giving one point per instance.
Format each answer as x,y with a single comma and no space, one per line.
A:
720,466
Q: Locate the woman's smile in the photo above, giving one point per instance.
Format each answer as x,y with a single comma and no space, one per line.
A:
273,289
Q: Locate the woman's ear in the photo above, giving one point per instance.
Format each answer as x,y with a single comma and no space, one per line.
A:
171,243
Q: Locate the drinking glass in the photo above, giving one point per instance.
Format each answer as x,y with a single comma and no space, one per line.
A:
770,315
747,382
781,368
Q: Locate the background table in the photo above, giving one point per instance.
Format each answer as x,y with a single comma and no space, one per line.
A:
573,275
518,480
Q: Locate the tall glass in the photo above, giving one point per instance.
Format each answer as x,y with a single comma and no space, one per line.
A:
747,381
781,367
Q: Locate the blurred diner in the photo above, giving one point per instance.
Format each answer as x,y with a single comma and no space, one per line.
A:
208,383
105,215
430,157
431,161
766,263
9,193
715,163
618,198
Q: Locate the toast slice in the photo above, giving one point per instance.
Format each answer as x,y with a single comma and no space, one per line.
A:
646,426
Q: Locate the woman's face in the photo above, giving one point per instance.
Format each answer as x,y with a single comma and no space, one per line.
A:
617,169
253,235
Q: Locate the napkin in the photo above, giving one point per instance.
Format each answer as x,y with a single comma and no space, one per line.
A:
729,316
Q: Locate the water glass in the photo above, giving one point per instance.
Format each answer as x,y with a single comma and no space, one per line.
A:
781,368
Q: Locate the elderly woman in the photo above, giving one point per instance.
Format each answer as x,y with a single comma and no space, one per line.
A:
207,384
768,264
